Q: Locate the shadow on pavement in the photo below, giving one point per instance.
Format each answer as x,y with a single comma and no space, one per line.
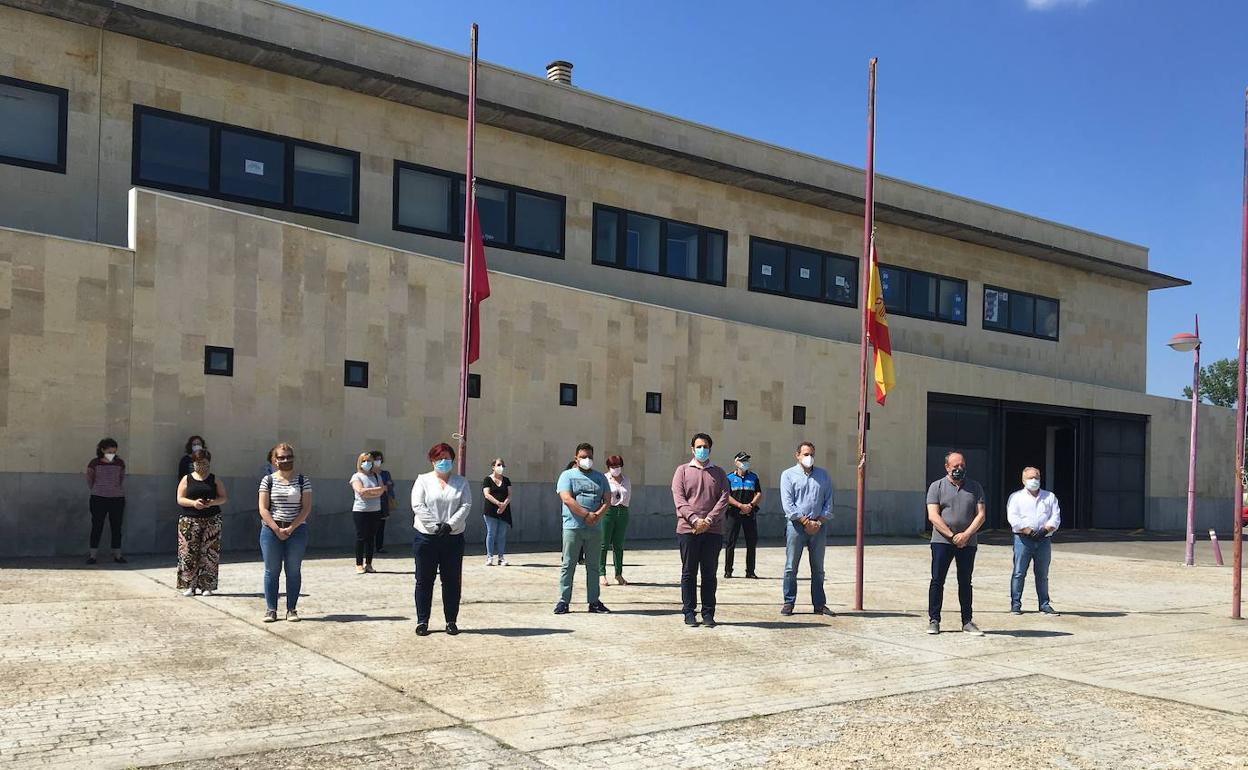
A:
646,613
353,618
771,624
516,631
1029,633
1112,614
876,614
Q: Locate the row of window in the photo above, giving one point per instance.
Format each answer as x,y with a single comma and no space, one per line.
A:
192,155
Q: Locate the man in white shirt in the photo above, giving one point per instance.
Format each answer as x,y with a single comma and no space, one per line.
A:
1034,516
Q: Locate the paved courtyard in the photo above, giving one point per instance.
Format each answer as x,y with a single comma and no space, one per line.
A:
108,666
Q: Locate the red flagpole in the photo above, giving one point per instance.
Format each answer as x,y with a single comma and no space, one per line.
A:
868,224
1237,560
470,194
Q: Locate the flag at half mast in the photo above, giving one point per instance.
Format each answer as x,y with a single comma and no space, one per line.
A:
877,331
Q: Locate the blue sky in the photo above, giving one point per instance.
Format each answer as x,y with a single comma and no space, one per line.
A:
1124,117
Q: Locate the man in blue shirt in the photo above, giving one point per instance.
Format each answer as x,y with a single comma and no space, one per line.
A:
585,494
806,496
745,492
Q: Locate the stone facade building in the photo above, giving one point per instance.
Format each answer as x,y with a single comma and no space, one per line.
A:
240,219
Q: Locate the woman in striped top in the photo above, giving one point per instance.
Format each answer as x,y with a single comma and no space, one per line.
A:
285,502
105,476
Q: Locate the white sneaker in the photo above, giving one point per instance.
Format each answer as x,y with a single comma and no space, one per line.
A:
502,562
489,562
206,592
189,592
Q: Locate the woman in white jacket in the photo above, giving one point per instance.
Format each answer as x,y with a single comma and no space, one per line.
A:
440,504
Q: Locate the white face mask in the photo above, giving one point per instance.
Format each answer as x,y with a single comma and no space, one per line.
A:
1032,484
586,463
500,469
196,447
376,464
109,456
808,461
615,472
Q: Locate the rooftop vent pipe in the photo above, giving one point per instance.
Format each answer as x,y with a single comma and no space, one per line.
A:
559,72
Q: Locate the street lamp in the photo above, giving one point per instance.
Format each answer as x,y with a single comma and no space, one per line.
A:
1184,342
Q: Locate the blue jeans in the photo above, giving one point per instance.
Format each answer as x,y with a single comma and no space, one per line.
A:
1028,550
280,553
496,536
795,541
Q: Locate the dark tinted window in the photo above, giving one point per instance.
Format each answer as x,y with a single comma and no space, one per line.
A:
651,244
768,266
423,201
606,235
893,284
174,152
716,255
539,223
923,295
641,243
840,279
682,251
253,166
324,181
800,272
1021,313
33,119
805,273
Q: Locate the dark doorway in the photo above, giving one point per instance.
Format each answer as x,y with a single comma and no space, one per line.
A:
1093,461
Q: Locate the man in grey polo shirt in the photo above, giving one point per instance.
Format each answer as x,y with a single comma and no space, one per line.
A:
955,507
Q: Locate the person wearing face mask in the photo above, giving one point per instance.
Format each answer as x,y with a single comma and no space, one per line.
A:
200,495
366,510
700,494
106,475
1034,515
745,492
285,502
956,510
497,509
615,524
387,500
193,445
586,495
441,500
806,496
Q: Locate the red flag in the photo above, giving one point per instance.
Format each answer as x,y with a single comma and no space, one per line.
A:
480,282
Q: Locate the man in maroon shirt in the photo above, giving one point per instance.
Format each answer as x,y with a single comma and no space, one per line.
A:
700,492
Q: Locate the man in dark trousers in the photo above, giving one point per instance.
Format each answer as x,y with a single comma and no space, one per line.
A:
955,507
700,493
745,492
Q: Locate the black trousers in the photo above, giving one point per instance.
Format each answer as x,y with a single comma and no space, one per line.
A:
381,533
736,523
944,554
111,508
438,555
699,553
365,535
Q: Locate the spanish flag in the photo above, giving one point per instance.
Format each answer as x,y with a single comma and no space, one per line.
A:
877,332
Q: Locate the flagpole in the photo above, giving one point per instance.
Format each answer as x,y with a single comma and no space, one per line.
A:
868,224
461,435
1237,560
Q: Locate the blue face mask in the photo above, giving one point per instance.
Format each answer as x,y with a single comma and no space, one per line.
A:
745,466
367,465
702,454
443,466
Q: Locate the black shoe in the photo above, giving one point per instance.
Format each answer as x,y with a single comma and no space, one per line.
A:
1016,610
787,609
379,550
728,575
120,559
561,608
422,629
1050,612
452,629
751,576
691,619
91,560
825,611
598,608
709,621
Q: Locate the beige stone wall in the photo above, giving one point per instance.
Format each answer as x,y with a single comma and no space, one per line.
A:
1103,320
294,303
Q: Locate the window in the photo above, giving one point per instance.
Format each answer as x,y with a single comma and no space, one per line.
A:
654,403
219,361
802,273
923,295
187,154
1018,312
474,385
649,244
355,374
33,125
567,394
799,415
430,201
730,409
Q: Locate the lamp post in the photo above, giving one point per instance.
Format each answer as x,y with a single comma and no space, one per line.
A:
1184,342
